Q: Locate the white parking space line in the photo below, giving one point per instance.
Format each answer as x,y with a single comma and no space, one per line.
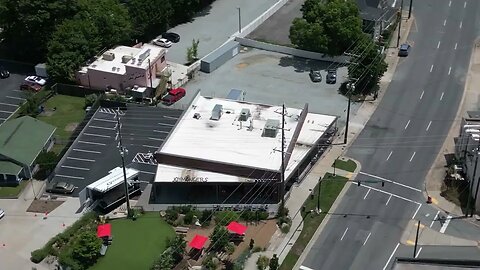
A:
20,91
390,181
388,193
19,98
107,128
344,233
435,218
390,258
445,22
8,104
170,117
438,45
305,268
449,70
455,46
450,3
156,139
461,24
160,131
366,194
441,97
147,172
81,159
149,146
68,176
75,168
418,252
7,111
388,199
104,120
368,236
389,155
414,214
93,143
163,124
428,127
431,68
408,123
445,224
87,151
465,4
421,96
413,155
96,135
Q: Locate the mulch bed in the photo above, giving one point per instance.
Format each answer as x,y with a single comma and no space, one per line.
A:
44,206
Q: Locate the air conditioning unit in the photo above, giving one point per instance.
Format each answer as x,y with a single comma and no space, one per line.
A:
108,56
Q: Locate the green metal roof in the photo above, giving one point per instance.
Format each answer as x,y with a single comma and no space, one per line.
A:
7,167
22,139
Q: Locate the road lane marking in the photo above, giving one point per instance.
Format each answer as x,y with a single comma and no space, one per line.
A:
450,3
421,96
461,23
385,192
445,225
408,123
435,218
68,176
414,214
345,232
428,127
368,236
431,68
418,253
87,151
449,70
160,131
75,168
441,97
364,197
96,135
389,155
81,159
390,258
455,46
465,4
8,104
19,98
305,268
94,143
156,139
413,155
388,199
390,181
438,45
107,128
445,22
104,120
394,3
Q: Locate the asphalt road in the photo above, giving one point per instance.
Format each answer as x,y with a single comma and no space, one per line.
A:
401,141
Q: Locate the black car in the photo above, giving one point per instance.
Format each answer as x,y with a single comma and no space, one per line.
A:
4,73
331,76
61,188
315,76
172,37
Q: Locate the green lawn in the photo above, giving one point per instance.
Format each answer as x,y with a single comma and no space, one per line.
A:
331,187
68,113
136,244
348,165
12,192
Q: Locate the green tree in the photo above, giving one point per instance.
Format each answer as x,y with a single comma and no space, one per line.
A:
273,265
192,51
149,17
328,27
86,248
219,238
47,162
177,245
30,107
262,262
209,263
165,261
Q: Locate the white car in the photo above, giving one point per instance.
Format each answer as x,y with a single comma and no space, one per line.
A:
35,79
162,42
2,213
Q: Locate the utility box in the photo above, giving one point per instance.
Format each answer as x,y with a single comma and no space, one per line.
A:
41,70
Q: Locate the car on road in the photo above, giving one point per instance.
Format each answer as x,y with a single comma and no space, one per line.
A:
36,80
173,96
172,37
61,188
2,213
315,75
162,42
404,50
331,77
4,73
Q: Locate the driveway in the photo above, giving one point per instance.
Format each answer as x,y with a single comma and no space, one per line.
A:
94,153
214,26
274,78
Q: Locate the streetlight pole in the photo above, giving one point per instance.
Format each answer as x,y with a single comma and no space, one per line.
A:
334,166
400,23
282,175
410,9
239,20
351,87
318,195
416,240
123,151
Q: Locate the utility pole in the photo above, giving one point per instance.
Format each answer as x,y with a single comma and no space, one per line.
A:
475,199
239,20
470,193
150,72
416,240
282,175
318,195
400,23
410,9
351,87
334,166
123,152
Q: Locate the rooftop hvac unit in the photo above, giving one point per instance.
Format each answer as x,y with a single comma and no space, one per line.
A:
217,112
114,68
271,128
144,56
126,58
244,115
108,56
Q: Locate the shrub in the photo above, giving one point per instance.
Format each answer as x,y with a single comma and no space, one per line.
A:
188,218
38,255
256,249
171,215
90,100
285,228
206,217
262,215
262,262
225,217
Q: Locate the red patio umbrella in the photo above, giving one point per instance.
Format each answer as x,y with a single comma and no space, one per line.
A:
236,227
104,230
198,241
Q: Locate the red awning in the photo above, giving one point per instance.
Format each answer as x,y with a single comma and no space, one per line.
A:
104,230
198,241
236,227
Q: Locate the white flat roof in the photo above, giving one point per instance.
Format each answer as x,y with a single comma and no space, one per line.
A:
113,179
172,174
116,65
228,142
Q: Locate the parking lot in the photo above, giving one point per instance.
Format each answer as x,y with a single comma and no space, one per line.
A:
274,78
95,151
11,97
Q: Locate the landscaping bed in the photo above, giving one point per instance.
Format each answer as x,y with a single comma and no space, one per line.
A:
12,192
346,165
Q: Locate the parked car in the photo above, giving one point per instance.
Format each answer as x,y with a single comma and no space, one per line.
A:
61,188
2,213
331,77
4,73
172,37
315,75
30,87
162,42
36,80
404,50
173,96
